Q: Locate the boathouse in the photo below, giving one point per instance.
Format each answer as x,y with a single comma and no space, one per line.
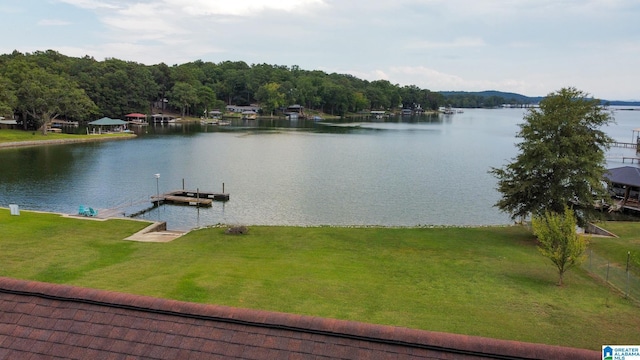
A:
110,125
241,108
249,115
215,114
625,186
378,114
136,117
162,118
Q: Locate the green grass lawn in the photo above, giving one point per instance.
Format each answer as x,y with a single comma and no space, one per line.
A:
616,249
20,135
486,281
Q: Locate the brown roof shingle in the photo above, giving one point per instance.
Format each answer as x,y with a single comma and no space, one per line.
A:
40,320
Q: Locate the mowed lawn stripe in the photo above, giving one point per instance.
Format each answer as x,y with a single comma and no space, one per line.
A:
486,281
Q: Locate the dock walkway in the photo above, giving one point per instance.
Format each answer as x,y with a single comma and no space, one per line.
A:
633,159
625,145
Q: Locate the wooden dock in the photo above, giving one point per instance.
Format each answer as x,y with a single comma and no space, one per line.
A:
186,197
625,145
632,159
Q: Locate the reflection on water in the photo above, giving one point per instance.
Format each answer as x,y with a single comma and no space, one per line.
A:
396,172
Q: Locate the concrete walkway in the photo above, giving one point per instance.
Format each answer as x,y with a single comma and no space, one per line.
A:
155,232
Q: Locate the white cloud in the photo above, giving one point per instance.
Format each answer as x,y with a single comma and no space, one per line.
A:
90,4
234,8
528,46
145,21
53,22
435,80
421,76
11,9
463,42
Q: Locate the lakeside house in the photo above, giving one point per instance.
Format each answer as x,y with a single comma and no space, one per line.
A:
8,123
242,108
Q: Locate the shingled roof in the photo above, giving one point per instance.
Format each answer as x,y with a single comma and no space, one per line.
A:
40,320
625,175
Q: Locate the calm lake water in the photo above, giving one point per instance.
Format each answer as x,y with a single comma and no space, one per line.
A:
398,172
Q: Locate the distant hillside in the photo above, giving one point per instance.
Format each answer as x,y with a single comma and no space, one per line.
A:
621,103
489,93
486,99
491,97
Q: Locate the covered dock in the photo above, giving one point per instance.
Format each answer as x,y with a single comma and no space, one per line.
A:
110,125
162,118
624,187
136,118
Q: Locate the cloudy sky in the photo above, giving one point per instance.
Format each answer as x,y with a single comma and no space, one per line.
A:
531,47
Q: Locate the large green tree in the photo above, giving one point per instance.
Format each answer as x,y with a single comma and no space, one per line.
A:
270,97
183,95
8,99
561,160
45,96
558,240
206,100
120,87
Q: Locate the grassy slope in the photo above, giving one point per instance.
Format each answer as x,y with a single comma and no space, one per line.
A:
615,249
480,281
20,135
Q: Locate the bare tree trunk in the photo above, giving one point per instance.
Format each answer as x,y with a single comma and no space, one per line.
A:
45,121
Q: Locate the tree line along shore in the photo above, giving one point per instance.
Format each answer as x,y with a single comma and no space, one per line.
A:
38,87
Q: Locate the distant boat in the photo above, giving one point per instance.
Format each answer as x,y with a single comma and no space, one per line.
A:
447,110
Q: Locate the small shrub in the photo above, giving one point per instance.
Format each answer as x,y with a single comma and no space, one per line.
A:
237,230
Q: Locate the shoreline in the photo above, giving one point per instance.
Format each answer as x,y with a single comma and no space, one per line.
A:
27,143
